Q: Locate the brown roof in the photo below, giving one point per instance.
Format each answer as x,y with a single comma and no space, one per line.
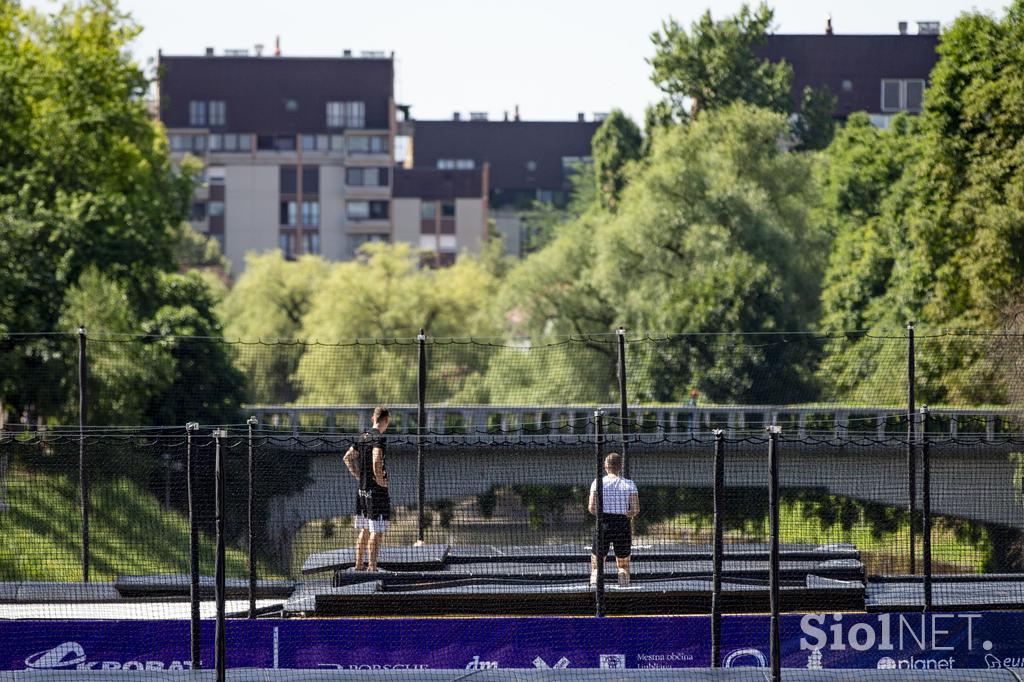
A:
430,183
864,60
508,146
255,89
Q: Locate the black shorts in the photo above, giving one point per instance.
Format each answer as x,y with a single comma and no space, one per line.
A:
617,532
373,504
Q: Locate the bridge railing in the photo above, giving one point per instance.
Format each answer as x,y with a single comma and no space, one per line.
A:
839,421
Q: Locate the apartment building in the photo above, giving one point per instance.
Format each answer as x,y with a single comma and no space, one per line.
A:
878,74
528,160
298,153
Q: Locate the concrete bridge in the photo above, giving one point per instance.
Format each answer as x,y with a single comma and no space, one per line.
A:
853,451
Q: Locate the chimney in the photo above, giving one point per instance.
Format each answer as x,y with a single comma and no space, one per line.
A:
505,116
209,52
259,49
581,117
277,46
515,116
346,53
903,28
828,24
456,116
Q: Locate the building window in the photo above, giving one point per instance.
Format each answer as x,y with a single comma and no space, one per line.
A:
285,143
291,104
914,100
179,143
198,211
346,114
199,144
366,210
287,180
215,209
197,113
368,144
215,175
244,142
464,164
903,95
265,142
311,242
286,242
366,177
545,196
447,209
311,179
531,166
446,164
337,142
218,112
847,85
310,213
357,240
216,142
288,212
309,143
428,210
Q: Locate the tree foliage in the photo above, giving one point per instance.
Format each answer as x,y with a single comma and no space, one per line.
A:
616,144
714,65
815,125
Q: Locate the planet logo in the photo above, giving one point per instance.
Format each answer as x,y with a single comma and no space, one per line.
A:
886,663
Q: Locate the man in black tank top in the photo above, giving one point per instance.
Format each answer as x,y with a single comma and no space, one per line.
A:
366,462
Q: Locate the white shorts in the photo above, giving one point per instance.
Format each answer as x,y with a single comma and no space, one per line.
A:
377,525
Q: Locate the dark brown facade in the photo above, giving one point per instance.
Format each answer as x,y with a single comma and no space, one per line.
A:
431,184
852,66
274,94
525,157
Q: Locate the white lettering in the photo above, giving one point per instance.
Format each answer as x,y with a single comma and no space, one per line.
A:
820,638
886,644
936,631
837,634
869,637
906,626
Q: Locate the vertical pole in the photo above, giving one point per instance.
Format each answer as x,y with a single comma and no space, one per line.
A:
623,402
193,546
251,422
421,418
220,483
911,455
773,528
717,549
83,473
926,502
599,508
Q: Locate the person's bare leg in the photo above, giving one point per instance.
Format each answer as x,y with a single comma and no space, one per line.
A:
374,547
623,565
361,540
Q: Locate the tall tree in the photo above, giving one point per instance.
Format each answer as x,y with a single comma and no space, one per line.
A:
616,144
815,125
714,65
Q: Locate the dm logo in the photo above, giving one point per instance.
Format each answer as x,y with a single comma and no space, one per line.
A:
745,658
66,655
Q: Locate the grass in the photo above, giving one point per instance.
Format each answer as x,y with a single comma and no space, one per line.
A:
130,532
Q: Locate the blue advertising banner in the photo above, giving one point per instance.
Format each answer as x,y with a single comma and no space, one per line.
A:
845,641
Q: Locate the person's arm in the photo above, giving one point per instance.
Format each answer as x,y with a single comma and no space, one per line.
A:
592,504
378,467
351,460
634,505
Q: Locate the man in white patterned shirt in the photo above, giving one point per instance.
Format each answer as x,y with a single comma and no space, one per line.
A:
621,504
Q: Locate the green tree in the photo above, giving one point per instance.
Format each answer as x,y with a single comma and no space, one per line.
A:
85,179
543,221
714,65
616,144
815,125
267,305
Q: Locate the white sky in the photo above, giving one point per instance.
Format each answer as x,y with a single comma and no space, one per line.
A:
553,58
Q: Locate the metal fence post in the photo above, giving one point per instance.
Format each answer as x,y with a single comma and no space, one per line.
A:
220,481
83,472
421,418
623,401
773,548
911,454
251,422
193,547
717,549
926,503
599,509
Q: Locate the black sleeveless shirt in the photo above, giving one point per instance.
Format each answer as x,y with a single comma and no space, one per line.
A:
367,442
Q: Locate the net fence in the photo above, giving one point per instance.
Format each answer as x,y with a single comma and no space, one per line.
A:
491,510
